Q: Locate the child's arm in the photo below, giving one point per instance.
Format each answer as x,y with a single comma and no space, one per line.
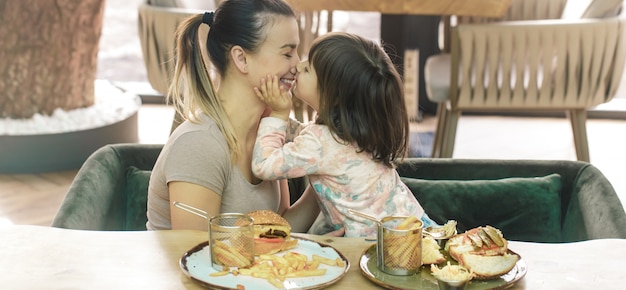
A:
272,158
275,96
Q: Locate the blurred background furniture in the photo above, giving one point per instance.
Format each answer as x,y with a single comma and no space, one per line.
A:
310,27
408,31
577,201
157,23
539,57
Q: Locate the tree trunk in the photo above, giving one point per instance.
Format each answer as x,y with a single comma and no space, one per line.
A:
48,55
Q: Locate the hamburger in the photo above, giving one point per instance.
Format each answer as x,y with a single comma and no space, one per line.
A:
272,233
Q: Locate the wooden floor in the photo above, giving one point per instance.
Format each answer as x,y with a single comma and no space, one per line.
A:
34,198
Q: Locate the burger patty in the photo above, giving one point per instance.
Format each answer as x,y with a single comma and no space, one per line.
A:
273,233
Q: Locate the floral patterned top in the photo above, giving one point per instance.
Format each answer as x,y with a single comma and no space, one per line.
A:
342,177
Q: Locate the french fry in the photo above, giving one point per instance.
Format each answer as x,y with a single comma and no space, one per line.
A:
407,223
264,275
220,273
245,272
315,264
229,256
275,269
297,255
306,273
325,260
225,257
275,282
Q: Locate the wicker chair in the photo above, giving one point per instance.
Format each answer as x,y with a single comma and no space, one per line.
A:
530,60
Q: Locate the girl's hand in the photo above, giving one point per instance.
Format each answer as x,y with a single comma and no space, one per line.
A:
275,96
337,233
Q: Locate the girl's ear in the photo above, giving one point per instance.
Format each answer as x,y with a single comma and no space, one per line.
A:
238,56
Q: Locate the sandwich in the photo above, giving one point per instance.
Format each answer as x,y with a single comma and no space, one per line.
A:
272,233
431,253
483,251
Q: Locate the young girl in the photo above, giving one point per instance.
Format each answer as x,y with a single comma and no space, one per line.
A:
348,151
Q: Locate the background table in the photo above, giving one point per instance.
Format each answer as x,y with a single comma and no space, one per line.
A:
487,8
37,257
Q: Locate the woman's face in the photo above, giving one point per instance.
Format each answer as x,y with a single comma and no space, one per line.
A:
278,55
305,87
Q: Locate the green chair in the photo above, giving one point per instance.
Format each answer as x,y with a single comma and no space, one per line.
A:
529,200
110,190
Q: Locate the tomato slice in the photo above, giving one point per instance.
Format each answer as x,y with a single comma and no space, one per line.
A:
269,240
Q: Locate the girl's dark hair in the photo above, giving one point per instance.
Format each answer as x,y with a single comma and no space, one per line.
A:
361,95
235,22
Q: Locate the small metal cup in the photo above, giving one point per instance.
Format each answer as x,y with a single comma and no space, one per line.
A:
452,285
231,239
399,252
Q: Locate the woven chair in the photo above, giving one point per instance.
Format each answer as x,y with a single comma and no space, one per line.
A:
532,59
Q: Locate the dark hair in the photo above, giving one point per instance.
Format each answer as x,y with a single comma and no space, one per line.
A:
235,22
243,23
361,95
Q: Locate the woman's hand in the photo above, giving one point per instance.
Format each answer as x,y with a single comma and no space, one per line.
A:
275,96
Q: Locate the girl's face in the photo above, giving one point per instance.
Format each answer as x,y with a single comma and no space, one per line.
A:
278,54
305,87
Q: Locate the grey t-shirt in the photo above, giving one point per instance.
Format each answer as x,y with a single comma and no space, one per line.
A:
198,153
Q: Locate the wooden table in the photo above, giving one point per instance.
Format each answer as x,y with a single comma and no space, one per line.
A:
37,257
487,8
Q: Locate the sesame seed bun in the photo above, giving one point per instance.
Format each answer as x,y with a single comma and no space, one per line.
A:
268,217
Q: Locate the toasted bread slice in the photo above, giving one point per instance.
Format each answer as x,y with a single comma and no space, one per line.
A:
488,267
430,251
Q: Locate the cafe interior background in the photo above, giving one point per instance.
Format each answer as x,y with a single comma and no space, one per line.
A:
34,198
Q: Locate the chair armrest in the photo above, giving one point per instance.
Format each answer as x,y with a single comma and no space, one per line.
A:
98,198
595,211
84,208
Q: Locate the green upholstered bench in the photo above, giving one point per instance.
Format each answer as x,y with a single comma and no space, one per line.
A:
529,200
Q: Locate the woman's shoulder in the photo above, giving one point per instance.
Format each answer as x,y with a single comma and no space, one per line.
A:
202,123
198,138
203,129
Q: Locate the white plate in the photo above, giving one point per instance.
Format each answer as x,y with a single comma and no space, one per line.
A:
196,263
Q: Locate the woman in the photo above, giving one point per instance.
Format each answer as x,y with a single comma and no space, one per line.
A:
206,161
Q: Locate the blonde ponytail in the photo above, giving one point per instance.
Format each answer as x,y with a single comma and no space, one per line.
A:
192,90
